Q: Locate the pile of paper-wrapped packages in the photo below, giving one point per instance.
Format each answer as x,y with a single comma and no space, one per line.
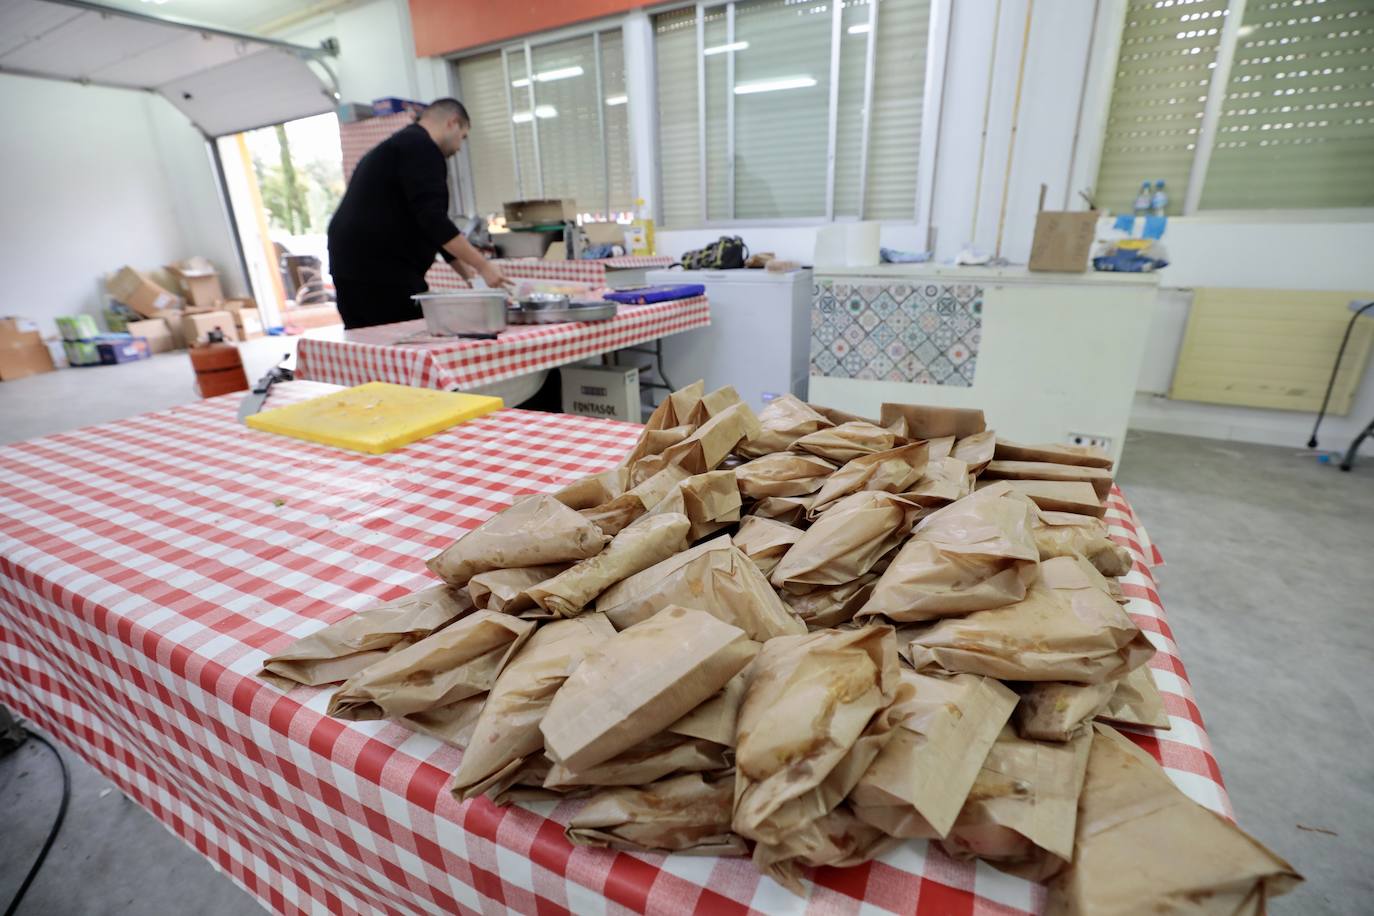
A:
808,636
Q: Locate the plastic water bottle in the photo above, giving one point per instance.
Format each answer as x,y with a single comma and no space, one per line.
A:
1142,200
1159,202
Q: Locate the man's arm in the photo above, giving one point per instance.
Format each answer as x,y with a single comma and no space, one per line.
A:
464,253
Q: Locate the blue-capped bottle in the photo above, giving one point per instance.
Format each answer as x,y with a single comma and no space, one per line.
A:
1159,201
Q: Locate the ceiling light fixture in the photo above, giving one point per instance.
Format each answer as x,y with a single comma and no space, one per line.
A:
790,82
721,49
540,111
548,76
617,99
859,29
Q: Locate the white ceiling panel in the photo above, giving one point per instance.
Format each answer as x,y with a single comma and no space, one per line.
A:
224,82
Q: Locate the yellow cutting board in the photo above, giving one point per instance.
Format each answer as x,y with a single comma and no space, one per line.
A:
374,418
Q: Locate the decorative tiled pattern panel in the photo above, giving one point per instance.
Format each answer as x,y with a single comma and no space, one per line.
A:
896,332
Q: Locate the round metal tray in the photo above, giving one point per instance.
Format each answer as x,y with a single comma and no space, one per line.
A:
589,311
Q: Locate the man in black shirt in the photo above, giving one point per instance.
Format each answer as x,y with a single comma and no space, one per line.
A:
394,218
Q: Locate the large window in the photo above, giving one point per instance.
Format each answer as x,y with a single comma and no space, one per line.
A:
790,109
549,120
1292,128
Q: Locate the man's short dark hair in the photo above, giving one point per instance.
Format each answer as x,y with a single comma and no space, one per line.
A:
447,108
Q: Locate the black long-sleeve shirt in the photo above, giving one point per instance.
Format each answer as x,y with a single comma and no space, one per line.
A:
394,215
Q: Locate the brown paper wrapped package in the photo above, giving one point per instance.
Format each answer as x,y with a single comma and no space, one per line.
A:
809,726
972,555
838,417
1063,534
506,591
927,422
715,719
846,541
782,474
945,728
830,606
1143,847
1055,711
639,682
1058,495
1020,813
665,754
453,664
650,540
507,731
976,450
713,577
711,501
614,516
705,448
1099,478
594,490
452,724
848,441
782,421
892,472
790,510
533,532
945,480
764,540
714,404
686,814
1066,629
1136,701
1087,456
837,839
340,650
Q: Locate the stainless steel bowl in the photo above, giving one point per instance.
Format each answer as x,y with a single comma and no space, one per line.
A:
467,311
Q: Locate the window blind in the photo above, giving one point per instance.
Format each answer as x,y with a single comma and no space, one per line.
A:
619,163
1297,124
481,87
568,113
898,89
1168,52
675,46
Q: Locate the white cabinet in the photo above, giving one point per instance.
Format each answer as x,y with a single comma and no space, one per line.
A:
759,338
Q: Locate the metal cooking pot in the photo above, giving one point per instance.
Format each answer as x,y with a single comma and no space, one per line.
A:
465,311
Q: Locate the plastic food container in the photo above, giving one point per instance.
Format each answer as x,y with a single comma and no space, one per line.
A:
468,311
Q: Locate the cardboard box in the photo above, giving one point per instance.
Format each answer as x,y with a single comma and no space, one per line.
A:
139,293
604,233
611,393
81,352
1063,239
196,326
156,331
393,105
238,303
312,316
123,351
249,323
540,212
200,283
22,350
18,330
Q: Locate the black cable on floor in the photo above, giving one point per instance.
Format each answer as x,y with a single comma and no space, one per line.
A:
1331,384
52,834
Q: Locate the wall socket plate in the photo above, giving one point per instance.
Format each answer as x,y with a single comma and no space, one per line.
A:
1102,442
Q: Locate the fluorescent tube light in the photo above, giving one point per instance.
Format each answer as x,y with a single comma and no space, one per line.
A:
859,29
789,82
721,49
548,76
617,99
540,111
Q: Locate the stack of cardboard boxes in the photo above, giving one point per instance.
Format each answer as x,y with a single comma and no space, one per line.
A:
171,322
22,350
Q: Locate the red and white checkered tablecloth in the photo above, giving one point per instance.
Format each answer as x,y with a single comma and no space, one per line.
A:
442,277
149,565
356,138
372,354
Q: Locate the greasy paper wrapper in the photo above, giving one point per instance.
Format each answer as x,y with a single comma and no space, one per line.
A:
1136,701
928,422
705,448
1063,534
837,839
782,474
711,501
714,577
507,591
452,724
506,732
782,421
639,682
716,718
843,443
669,424
615,515
1055,711
340,650
1142,846
649,540
686,814
809,727
1067,628
1099,478
764,540
790,510
1020,814
892,472
533,532
831,605
665,754
974,554
945,728
945,480
459,661
1085,455
846,541
594,490
976,450
1057,495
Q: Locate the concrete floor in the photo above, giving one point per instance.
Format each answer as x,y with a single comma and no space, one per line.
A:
1267,585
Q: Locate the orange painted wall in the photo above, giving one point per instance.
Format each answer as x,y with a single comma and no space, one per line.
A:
445,26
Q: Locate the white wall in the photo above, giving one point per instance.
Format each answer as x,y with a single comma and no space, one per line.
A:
376,50
95,179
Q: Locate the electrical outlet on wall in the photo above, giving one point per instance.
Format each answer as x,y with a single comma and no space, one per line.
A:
1102,442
